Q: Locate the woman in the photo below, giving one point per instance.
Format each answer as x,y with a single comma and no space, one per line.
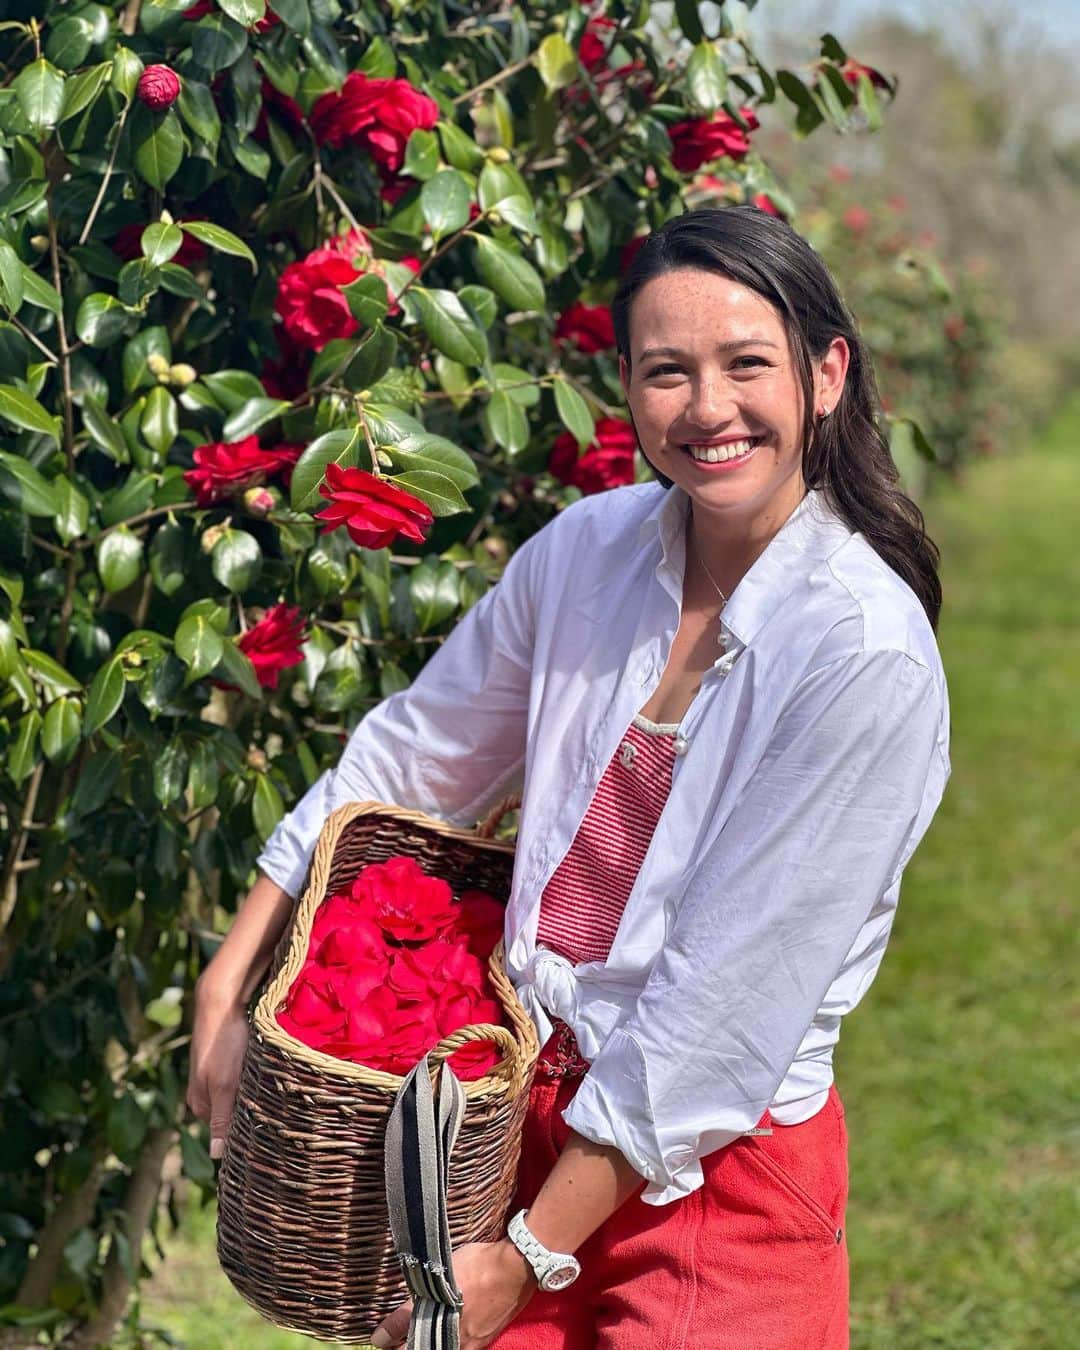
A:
722,694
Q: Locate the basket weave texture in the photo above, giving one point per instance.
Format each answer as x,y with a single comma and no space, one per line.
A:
303,1229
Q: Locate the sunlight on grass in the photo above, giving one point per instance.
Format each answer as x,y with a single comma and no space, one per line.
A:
956,1072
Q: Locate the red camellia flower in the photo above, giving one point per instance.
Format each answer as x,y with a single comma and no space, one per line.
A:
607,463
857,219
696,142
310,302
273,644
852,69
127,244
203,7
379,115
480,920
225,467
588,327
592,49
404,901
764,202
630,250
158,87
372,509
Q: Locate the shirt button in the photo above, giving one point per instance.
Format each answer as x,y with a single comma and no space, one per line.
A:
627,754
681,745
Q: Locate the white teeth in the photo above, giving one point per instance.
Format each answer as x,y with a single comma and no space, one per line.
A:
716,454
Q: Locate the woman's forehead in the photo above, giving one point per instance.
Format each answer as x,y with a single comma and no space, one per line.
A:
695,308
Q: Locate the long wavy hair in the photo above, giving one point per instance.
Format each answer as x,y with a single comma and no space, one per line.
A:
845,455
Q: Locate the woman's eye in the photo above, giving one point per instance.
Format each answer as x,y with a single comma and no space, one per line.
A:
754,360
662,370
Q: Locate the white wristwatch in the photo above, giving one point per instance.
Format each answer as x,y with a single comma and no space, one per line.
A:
553,1270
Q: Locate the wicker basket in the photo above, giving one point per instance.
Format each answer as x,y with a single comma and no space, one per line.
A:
303,1229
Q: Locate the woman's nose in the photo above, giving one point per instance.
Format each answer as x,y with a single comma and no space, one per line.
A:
711,404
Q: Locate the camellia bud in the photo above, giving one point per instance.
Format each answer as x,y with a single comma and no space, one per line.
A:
210,537
498,154
256,759
182,375
157,364
158,87
260,501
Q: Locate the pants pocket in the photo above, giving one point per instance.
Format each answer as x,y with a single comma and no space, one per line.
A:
807,1165
821,1223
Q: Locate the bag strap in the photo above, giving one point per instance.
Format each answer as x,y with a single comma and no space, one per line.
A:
419,1140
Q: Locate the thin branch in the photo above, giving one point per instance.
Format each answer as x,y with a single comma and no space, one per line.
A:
137,520
89,224
9,891
33,337
494,79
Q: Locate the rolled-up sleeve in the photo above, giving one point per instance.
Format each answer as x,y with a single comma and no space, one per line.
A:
449,744
846,789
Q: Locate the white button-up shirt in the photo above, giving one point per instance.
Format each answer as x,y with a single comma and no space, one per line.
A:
816,752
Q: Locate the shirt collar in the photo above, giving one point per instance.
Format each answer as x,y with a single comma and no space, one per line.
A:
812,532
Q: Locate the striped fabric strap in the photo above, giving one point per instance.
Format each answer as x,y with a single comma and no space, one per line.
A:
419,1138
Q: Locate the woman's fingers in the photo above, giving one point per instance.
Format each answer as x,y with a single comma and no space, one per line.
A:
394,1329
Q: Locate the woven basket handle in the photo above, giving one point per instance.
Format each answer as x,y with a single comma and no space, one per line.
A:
487,827
508,1067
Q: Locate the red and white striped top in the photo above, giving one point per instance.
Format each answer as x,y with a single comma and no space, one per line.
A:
584,900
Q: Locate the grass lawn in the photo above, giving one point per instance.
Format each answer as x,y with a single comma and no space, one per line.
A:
957,1072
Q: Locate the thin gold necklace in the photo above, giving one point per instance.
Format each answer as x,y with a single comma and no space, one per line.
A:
716,588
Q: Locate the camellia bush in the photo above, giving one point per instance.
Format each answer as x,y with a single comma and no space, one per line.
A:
303,328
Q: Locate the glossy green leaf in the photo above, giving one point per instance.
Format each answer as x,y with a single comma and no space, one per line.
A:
68,42
509,274
199,111
21,756
434,454
199,645
506,422
61,730
100,319
217,42
372,358
449,326
34,494
244,12
250,416
160,242
497,182
157,144
21,410
168,557
236,560
335,447
203,774
434,489
367,299
686,11
214,236
236,668
434,591
39,87
574,412
518,212
232,388
80,90
50,672
73,510
421,154
12,287
557,62
97,777
126,69
37,291
119,558
460,149
160,422
706,77
169,773
445,200
267,808
295,14
105,696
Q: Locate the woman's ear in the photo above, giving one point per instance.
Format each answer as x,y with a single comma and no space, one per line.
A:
831,375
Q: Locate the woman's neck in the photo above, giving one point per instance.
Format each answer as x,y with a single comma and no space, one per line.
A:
723,546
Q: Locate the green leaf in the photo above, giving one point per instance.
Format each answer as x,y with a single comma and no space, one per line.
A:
506,422
214,236
137,281
61,730
106,695
97,779
509,274
119,558
69,42
33,493
232,388
460,149
199,111
130,499
160,422
434,590
252,158
196,1163
518,212
40,91
21,410
100,319
480,302
294,14
236,560
148,342
169,773
445,201
81,90
250,416
103,431
557,62
126,1127
686,12
435,455
21,757
126,69
160,242
73,510
168,557
367,299
236,668
449,326
335,447
267,807
435,489
574,412
37,291
497,182
50,672
371,359
706,77
217,43
421,154
245,12
157,143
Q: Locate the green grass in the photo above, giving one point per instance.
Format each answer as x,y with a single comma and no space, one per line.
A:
957,1071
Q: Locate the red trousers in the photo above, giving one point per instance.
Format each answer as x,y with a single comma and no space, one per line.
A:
756,1259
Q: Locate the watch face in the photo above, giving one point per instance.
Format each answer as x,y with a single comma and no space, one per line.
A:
560,1277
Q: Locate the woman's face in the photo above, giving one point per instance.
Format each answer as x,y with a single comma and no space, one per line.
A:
715,394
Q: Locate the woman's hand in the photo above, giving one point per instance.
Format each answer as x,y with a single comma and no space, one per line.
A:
496,1282
218,1043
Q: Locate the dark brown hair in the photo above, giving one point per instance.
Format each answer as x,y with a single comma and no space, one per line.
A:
845,455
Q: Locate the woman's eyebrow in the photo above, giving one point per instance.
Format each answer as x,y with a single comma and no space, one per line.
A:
720,347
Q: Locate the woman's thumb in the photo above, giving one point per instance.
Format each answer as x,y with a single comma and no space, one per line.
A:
221,1109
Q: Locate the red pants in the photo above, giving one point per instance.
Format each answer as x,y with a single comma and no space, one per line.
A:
756,1259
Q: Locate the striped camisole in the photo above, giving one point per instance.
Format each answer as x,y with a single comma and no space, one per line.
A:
583,901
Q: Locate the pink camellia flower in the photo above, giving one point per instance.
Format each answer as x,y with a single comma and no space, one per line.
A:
223,468
697,142
273,644
379,115
371,508
608,462
588,327
857,219
158,87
